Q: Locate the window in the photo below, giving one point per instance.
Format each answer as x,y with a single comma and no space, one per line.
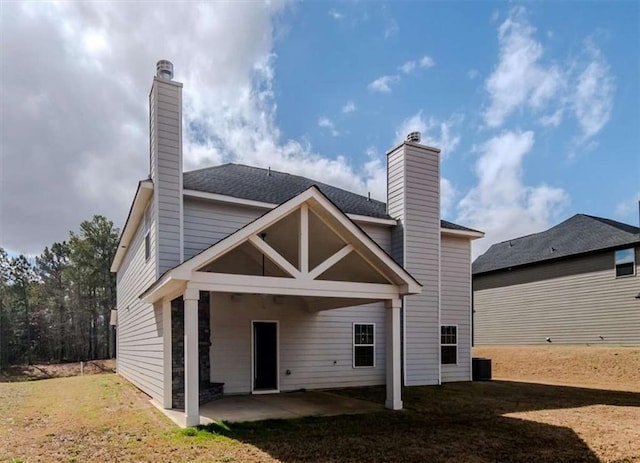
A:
449,345
625,262
363,345
147,233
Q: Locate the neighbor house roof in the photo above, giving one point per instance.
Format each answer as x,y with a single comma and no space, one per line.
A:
578,235
270,186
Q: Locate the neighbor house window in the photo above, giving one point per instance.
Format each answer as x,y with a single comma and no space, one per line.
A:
147,233
625,262
363,345
449,344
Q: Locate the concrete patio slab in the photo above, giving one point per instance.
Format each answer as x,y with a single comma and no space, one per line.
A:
276,406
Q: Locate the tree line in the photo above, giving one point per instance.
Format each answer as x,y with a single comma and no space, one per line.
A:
57,307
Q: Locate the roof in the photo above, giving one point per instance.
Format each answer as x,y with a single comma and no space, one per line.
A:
270,186
455,226
578,235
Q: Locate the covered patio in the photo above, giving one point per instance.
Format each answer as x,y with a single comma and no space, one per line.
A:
304,250
287,405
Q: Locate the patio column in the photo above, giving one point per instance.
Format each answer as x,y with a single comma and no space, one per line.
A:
394,384
191,380
167,397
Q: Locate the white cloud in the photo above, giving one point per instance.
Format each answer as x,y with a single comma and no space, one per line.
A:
426,62
327,123
593,100
375,170
78,76
391,29
519,79
383,84
552,120
349,107
336,15
448,195
439,134
583,87
501,204
408,67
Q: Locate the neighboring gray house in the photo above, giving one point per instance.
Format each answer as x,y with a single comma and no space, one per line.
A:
266,282
576,283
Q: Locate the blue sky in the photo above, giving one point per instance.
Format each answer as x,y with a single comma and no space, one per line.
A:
535,105
319,73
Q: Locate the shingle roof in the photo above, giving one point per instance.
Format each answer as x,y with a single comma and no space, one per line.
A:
577,235
269,186
274,187
455,226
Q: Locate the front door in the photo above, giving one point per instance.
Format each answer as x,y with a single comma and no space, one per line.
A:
265,356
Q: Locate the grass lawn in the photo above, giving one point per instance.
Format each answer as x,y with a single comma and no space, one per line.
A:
103,418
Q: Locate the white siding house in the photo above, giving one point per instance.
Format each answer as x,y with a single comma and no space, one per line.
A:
262,281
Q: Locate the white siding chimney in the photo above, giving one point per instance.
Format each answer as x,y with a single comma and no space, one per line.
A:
165,133
413,198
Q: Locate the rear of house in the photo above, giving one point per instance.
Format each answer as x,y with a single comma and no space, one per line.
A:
576,283
239,279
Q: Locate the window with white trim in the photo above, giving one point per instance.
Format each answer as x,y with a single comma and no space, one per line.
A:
625,262
364,347
449,344
147,233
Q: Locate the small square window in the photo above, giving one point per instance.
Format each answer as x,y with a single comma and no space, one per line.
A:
625,262
363,345
448,344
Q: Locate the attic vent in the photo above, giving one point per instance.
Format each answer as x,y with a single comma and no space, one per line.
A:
164,69
414,137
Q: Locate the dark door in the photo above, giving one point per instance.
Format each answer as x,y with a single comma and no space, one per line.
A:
265,355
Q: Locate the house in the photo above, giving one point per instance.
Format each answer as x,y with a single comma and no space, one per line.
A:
251,281
576,283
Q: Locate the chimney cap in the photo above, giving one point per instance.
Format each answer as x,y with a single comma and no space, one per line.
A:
414,137
164,69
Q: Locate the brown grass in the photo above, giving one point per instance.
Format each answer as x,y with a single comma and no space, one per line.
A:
103,418
613,368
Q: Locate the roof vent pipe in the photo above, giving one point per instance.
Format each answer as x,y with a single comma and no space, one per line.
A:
164,69
414,137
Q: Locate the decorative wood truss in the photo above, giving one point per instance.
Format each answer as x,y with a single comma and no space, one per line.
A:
305,247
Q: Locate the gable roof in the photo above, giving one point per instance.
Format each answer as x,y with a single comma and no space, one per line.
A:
578,235
270,186
312,198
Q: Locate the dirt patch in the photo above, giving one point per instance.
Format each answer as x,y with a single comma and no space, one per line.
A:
56,370
612,368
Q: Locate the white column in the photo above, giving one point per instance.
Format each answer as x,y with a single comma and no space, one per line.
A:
167,349
394,384
303,240
191,379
